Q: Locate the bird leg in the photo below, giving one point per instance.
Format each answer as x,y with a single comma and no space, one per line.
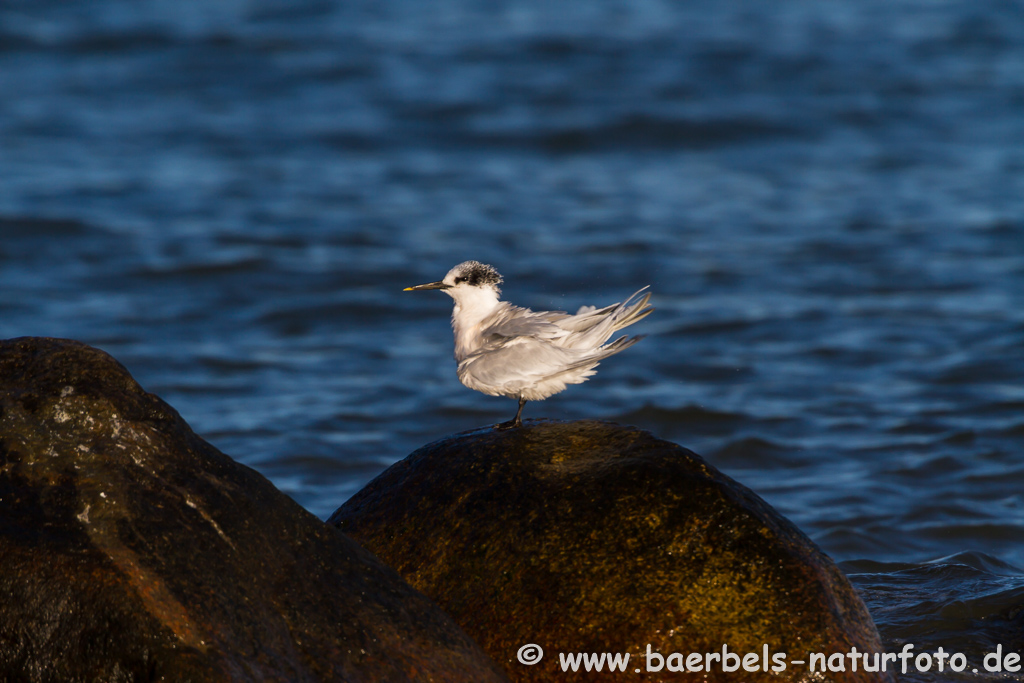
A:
514,422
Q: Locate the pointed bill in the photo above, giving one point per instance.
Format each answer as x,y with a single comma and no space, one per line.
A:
430,285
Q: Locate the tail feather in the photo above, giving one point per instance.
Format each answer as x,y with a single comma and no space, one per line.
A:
620,344
625,342
591,328
630,312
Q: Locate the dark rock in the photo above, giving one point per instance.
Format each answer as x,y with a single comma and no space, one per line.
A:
131,550
588,537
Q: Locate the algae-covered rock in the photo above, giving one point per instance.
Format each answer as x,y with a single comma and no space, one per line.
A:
132,550
588,537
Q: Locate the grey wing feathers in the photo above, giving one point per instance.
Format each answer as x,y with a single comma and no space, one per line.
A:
514,321
589,329
532,355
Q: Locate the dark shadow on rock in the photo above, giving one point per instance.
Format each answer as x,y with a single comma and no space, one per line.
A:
132,550
588,537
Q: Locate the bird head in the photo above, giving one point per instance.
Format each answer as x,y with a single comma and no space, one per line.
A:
467,280
473,286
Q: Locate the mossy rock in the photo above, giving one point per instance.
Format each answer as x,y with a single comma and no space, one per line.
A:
589,537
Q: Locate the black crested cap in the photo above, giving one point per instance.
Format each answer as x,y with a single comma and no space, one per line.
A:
477,274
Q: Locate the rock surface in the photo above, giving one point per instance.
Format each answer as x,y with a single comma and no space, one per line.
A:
130,549
588,537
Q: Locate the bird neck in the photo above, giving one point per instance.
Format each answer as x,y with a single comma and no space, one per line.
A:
471,308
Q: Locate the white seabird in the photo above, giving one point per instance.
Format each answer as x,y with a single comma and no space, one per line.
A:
506,350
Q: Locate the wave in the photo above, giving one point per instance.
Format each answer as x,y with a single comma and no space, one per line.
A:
40,227
690,414
754,452
639,131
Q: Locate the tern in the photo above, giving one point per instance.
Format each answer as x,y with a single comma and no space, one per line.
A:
506,350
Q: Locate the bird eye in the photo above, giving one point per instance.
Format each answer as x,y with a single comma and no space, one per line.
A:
460,279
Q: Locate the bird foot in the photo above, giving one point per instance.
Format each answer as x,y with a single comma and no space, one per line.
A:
511,424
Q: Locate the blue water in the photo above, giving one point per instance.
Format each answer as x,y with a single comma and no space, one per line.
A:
827,199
